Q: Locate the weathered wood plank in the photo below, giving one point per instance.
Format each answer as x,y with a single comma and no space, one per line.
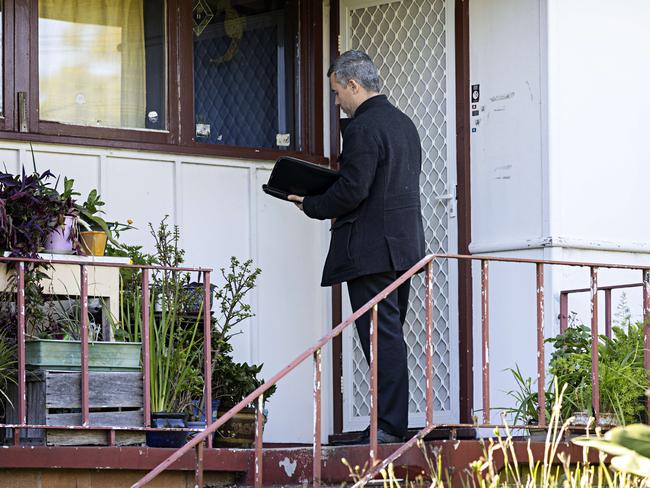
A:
106,389
132,418
92,438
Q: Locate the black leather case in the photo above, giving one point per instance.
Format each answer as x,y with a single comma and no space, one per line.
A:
291,176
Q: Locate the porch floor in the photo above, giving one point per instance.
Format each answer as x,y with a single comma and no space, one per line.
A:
93,467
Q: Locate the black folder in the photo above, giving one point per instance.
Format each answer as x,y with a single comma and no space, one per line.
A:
291,176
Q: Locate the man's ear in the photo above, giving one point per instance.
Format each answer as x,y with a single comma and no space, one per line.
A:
355,86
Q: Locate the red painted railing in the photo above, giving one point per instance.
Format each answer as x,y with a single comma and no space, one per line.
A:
564,304
197,443
20,264
315,352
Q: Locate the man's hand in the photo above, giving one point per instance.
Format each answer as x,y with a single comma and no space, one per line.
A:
297,200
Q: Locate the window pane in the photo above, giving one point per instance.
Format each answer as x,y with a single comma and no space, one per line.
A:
102,63
245,67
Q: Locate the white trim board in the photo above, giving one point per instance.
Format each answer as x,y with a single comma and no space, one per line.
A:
559,242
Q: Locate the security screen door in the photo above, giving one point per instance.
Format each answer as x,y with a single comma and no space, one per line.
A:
411,41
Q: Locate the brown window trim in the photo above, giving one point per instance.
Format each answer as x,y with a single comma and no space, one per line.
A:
6,120
179,137
194,149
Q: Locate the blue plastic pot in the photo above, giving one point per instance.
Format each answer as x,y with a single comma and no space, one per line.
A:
167,439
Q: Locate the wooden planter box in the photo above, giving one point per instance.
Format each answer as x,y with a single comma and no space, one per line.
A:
54,398
66,355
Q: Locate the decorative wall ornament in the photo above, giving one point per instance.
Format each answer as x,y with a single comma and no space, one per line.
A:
201,16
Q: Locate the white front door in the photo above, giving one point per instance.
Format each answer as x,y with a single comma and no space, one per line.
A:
411,41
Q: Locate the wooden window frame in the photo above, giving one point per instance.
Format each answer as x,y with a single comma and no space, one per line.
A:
20,56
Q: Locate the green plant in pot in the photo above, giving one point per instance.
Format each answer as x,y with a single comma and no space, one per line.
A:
97,231
621,375
233,381
176,342
570,363
526,397
7,368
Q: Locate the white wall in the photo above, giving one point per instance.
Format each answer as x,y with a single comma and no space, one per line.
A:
221,211
598,113
559,163
508,184
506,151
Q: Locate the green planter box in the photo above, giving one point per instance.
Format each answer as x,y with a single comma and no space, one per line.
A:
59,355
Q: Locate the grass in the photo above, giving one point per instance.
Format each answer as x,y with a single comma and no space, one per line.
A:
554,470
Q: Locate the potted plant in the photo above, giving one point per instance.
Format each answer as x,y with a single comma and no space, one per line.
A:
57,347
621,376
526,408
176,349
233,381
29,212
570,363
8,375
64,239
97,230
7,365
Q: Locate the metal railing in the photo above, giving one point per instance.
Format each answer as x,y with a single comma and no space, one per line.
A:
315,352
20,264
564,304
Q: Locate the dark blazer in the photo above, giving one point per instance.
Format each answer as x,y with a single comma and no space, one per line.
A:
376,201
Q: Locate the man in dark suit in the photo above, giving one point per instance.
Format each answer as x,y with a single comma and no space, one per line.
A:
378,232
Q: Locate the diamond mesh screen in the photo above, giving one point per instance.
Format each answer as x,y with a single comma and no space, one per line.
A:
407,40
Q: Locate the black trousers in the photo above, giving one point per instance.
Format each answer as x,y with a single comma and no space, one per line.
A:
392,378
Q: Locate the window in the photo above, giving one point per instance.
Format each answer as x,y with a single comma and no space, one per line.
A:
244,74
99,63
239,78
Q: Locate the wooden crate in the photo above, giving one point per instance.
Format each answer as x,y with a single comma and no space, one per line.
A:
54,398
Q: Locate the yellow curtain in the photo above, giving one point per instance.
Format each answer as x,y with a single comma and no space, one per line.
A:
92,62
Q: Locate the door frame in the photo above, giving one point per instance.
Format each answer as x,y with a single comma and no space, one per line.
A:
463,196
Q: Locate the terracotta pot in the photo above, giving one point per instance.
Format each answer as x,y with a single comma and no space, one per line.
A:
93,242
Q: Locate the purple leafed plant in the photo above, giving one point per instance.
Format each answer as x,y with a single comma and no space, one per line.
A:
29,211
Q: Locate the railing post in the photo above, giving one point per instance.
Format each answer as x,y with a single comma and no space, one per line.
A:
595,388
541,379
207,350
608,313
146,365
646,328
198,467
259,426
374,406
485,339
83,298
20,311
564,312
317,419
429,344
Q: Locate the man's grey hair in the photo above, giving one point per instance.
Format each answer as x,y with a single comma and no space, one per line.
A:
356,65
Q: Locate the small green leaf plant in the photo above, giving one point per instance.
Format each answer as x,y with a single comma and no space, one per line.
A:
233,381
